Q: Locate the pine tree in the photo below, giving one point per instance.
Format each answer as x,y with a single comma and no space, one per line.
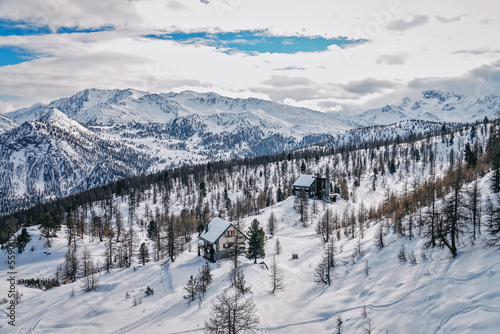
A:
143,255
240,283
256,241
204,279
22,239
49,225
277,276
192,289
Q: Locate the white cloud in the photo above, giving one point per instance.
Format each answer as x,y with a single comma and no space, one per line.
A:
407,50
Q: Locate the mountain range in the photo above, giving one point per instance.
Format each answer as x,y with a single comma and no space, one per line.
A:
97,136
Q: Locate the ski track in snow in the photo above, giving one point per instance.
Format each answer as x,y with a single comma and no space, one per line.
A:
470,277
148,318
465,311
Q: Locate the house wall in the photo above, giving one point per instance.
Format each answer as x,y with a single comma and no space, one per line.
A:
219,250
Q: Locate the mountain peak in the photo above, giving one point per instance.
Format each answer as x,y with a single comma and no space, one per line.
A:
440,95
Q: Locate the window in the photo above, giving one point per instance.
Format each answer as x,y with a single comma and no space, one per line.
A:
230,233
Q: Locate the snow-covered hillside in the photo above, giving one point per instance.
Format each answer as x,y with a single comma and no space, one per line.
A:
6,124
437,294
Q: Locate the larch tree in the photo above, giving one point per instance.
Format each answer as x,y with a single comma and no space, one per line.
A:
277,276
271,223
232,314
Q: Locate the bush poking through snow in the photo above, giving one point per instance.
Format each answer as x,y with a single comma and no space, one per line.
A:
149,291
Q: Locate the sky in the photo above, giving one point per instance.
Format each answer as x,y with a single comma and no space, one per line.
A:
329,55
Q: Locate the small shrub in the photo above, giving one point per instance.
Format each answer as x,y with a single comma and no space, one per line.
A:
149,291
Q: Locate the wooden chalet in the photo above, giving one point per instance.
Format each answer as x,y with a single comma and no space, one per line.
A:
218,239
313,186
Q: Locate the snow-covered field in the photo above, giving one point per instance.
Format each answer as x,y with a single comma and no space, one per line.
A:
436,295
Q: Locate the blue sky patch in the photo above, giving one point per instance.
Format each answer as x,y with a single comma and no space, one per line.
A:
13,55
26,28
257,41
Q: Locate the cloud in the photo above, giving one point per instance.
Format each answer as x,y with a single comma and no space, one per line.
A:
442,19
367,86
176,5
206,2
403,25
393,59
476,52
481,81
286,81
289,68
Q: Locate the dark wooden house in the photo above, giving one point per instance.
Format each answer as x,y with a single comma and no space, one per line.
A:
313,186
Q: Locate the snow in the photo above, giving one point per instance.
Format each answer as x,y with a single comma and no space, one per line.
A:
304,181
216,227
436,295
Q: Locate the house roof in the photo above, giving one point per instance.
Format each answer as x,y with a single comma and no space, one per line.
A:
304,181
215,229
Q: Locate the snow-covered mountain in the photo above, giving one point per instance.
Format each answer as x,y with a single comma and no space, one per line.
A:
55,156
6,124
97,135
435,105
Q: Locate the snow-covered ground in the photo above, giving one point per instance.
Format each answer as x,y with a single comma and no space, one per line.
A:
436,295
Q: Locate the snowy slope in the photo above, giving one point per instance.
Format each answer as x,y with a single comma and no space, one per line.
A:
6,124
436,295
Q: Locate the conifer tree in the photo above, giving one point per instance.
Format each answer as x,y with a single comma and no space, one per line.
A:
143,255
192,289
256,241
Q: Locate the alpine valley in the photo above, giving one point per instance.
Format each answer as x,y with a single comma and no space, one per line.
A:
97,136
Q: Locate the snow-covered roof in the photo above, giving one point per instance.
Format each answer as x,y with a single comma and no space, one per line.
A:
304,181
215,229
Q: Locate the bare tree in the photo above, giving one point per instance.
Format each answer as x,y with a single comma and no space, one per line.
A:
368,327
271,223
338,326
277,247
323,272
378,238
231,314
277,276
